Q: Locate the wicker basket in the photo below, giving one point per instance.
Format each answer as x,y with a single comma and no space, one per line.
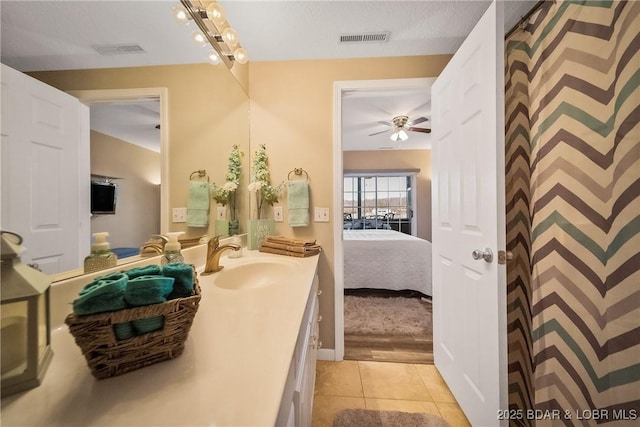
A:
108,356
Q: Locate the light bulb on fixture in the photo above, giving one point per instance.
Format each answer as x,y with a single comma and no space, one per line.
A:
240,55
215,13
400,134
199,38
181,15
214,58
230,36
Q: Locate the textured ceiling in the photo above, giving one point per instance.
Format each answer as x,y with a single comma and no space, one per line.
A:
59,35
133,121
292,30
362,110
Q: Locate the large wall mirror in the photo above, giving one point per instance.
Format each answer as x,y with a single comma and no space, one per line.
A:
202,111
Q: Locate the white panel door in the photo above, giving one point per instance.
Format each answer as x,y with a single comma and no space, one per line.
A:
45,171
468,198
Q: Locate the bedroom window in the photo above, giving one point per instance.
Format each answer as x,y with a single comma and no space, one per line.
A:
378,201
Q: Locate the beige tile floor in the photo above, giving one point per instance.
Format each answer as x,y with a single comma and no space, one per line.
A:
384,386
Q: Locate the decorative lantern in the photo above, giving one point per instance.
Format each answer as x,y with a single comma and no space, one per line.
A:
26,332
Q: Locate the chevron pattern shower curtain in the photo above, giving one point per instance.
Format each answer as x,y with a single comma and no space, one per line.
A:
573,214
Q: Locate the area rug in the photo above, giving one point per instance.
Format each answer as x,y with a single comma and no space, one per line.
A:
372,418
387,316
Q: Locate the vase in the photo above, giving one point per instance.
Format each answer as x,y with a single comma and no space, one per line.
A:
258,230
234,227
222,227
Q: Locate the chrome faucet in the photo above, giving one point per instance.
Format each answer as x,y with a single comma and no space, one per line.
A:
214,250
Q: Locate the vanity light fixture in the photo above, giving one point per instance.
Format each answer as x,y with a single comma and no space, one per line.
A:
181,15
214,30
214,58
199,38
216,14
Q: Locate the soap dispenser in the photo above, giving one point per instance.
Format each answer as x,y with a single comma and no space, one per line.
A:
101,256
172,248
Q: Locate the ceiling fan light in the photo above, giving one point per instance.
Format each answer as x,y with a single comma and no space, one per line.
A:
230,36
215,13
394,136
403,135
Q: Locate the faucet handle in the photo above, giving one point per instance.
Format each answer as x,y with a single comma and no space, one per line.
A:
214,242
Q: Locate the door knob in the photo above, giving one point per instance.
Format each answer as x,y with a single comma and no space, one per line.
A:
487,255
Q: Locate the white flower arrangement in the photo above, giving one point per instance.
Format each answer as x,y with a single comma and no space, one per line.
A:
261,182
226,194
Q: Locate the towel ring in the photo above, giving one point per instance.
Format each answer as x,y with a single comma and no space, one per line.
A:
201,173
299,172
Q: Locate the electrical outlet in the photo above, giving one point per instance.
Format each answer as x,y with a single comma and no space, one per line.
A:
277,213
179,214
221,212
320,214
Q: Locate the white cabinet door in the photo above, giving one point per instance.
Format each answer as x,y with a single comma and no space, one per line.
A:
308,376
45,171
469,214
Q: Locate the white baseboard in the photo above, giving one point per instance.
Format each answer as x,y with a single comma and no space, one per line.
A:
326,354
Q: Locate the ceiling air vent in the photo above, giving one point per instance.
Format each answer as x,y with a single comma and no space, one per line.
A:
118,49
380,37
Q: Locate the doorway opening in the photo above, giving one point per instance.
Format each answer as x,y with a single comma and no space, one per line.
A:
384,198
146,184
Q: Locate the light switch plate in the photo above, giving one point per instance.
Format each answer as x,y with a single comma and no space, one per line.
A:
277,213
221,212
320,214
179,214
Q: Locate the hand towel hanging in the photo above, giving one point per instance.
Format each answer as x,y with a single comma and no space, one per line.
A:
298,203
198,203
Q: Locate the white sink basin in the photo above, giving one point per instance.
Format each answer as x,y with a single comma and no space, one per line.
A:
254,274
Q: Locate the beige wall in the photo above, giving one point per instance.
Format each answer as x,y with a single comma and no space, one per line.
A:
382,160
208,113
137,214
292,114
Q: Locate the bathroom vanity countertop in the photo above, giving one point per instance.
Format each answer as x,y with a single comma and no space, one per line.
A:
232,372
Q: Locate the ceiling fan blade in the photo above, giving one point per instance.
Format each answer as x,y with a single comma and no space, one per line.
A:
378,133
422,130
382,122
419,120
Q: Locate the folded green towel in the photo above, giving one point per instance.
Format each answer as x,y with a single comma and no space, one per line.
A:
183,275
298,203
142,326
149,270
198,202
145,290
106,294
124,330
116,275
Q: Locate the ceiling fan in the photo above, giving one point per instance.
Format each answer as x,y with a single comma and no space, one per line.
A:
400,126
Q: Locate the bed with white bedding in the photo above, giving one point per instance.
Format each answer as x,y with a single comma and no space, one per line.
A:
386,259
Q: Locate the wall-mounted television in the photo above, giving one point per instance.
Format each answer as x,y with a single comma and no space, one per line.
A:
103,197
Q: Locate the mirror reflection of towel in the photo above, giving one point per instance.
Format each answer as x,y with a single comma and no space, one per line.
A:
198,204
298,203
